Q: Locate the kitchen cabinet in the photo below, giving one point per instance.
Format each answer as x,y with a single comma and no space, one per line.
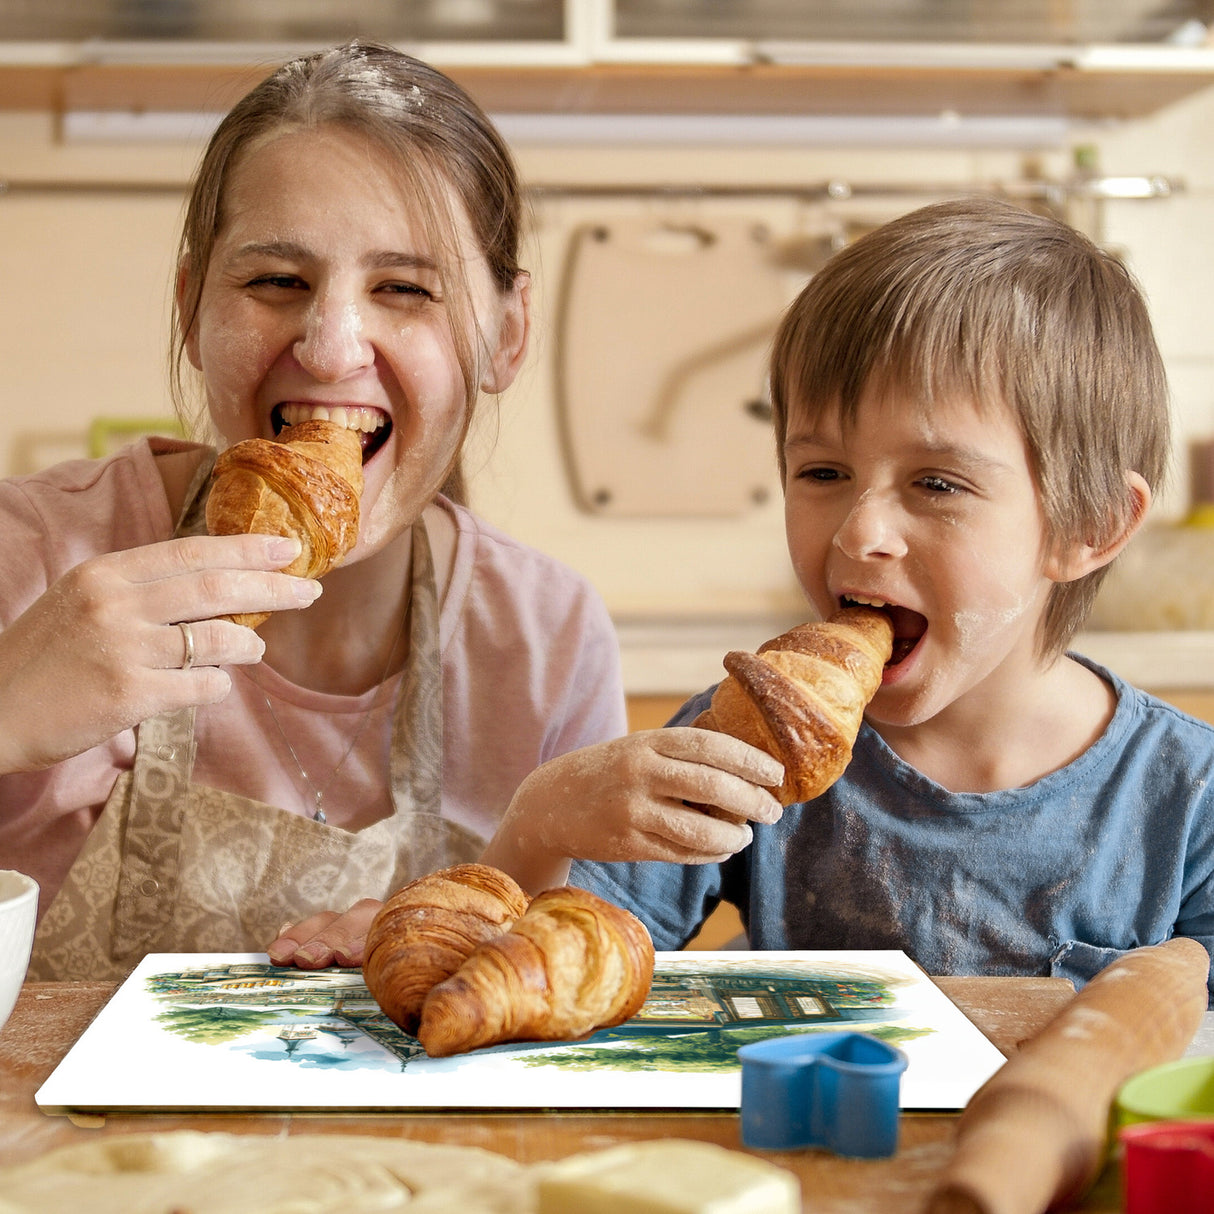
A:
1115,60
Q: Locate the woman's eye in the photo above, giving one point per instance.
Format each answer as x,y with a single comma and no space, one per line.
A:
283,281
412,289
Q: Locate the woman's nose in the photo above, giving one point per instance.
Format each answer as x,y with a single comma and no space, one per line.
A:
333,343
870,529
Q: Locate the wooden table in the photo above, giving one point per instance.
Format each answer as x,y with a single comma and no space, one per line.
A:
49,1017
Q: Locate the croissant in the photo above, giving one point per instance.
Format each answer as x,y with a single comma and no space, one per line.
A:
572,964
424,932
308,485
802,697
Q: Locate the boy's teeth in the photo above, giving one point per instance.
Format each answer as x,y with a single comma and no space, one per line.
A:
355,417
863,601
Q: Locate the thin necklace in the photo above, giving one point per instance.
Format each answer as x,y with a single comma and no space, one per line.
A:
319,792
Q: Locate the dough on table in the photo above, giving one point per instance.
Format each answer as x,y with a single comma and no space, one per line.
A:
193,1172
196,1172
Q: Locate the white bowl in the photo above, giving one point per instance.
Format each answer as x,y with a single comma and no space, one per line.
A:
18,910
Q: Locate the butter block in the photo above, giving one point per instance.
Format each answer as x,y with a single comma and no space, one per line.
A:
666,1176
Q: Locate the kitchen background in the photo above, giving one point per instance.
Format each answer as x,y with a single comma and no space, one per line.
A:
691,162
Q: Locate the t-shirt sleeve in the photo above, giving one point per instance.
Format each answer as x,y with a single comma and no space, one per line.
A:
1196,918
672,900
594,708
1152,872
54,519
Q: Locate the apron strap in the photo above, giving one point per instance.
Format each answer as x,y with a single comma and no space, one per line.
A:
416,771
193,519
151,846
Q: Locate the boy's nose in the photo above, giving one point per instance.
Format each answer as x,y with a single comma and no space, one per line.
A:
333,343
870,529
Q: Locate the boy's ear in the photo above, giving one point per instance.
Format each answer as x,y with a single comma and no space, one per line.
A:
510,347
1073,561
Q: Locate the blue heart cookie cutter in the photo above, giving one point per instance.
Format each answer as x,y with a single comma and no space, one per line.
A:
833,1090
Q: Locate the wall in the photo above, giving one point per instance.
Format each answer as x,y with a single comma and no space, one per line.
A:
83,320
1170,249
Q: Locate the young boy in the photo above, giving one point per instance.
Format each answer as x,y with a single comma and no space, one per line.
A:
971,417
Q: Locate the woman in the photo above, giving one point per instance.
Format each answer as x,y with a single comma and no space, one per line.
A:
178,782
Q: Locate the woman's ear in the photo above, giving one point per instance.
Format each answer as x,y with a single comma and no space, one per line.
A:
1073,561
190,343
513,334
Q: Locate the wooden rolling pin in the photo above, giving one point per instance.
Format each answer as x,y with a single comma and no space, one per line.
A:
1034,1136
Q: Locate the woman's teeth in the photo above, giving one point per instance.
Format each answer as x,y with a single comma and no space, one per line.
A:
349,417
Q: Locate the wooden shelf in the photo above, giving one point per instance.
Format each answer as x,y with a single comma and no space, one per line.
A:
835,90
1068,91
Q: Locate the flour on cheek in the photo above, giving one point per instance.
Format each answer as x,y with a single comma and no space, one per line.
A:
227,399
974,627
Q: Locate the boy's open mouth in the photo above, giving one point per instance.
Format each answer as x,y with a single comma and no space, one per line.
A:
373,425
909,626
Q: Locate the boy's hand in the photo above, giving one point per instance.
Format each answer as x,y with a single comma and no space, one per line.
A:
682,794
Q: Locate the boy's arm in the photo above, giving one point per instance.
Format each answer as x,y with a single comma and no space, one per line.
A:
682,795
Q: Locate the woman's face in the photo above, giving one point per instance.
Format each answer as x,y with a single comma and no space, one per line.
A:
323,298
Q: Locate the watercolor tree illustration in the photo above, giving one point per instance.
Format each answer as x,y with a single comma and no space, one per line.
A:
697,1016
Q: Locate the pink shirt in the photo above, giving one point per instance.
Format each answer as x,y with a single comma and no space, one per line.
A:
529,657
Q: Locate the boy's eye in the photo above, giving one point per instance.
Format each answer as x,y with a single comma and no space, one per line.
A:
819,474
938,484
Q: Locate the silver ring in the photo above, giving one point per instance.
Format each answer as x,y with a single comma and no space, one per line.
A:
187,635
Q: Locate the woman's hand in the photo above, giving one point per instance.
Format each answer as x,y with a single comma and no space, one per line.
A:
102,649
684,795
327,938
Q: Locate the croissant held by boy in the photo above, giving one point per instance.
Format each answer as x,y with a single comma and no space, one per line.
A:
801,698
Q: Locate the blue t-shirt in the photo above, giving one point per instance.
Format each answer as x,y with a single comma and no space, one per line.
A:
1059,878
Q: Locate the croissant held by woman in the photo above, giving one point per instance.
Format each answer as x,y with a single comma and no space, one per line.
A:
307,485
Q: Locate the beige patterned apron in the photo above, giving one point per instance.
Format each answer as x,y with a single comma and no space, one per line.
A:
171,866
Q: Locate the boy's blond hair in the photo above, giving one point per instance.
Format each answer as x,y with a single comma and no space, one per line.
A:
980,300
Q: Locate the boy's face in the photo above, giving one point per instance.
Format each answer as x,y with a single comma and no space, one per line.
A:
936,513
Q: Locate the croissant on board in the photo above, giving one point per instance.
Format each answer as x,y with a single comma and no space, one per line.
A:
308,484
425,931
572,964
801,698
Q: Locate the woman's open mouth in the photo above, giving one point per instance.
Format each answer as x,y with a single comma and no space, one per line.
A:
909,626
373,425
